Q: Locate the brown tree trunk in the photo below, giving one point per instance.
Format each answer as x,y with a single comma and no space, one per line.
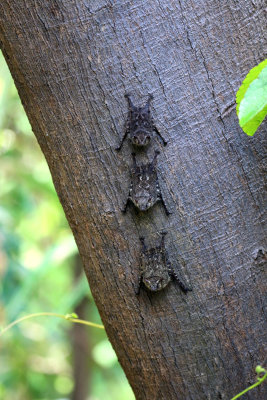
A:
72,62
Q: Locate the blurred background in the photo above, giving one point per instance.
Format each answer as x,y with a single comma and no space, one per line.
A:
40,271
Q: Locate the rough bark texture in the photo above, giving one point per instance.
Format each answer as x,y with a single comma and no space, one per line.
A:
72,62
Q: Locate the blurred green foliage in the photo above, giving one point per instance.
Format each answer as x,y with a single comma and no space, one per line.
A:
38,257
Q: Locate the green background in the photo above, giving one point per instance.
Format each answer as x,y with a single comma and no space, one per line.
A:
40,271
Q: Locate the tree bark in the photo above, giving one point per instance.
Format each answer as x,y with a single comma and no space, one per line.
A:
72,62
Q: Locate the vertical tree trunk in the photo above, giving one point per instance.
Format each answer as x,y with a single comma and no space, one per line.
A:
72,62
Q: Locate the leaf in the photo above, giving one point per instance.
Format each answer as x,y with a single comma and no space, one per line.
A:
251,99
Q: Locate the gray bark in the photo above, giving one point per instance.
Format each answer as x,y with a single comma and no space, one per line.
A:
72,62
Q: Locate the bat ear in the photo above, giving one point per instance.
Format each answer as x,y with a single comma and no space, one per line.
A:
142,240
147,105
130,103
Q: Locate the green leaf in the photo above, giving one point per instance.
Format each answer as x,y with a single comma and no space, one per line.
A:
251,99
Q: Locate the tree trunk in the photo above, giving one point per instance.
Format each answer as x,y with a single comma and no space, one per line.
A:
72,62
